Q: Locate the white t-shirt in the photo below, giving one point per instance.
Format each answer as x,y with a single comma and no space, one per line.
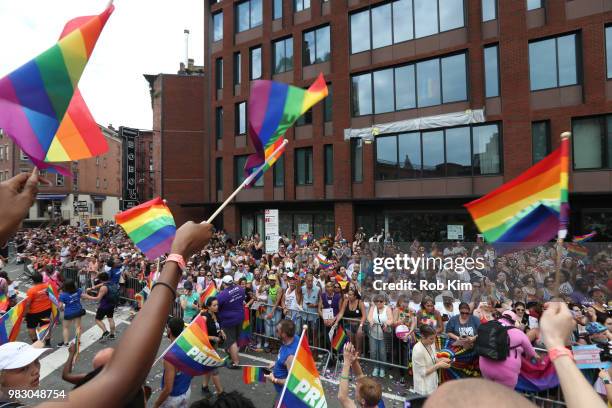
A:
415,307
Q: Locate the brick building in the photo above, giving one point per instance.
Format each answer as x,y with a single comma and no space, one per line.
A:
432,104
148,159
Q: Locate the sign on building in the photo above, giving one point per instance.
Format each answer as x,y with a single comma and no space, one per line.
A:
271,230
454,231
130,192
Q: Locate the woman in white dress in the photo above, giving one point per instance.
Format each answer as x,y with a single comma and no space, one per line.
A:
425,364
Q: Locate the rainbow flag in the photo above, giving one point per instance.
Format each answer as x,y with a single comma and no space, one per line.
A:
10,322
532,208
95,238
151,280
40,106
577,249
140,298
43,331
4,303
324,262
273,108
77,344
584,238
192,352
150,226
304,239
303,387
210,291
252,375
338,338
245,331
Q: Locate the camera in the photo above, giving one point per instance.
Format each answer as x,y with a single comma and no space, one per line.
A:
606,352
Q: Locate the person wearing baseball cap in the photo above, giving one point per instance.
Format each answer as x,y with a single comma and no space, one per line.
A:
231,315
20,365
596,332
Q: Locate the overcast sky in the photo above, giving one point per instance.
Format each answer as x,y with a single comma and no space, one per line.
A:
141,37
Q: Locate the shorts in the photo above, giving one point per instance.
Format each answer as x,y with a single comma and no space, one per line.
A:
33,320
80,313
231,335
180,401
102,313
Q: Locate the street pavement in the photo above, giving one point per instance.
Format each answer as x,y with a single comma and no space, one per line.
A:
262,395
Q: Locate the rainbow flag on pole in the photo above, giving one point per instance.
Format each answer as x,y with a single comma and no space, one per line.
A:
10,322
245,331
577,249
41,107
43,331
324,262
530,209
192,352
95,238
273,108
77,343
210,291
4,303
302,387
584,238
338,338
150,226
252,375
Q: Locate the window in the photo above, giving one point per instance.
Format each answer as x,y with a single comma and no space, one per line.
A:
97,207
453,152
303,166
219,122
97,182
357,159
218,26
305,119
540,140
219,173
491,61
239,162
24,156
316,46
328,151
248,15
489,10
592,142
255,63
299,5
219,73
553,62
59,180
278,171
7,150
410,86
534,4
1,153
327,105
609,50
237,68
283,55
241,118
278,9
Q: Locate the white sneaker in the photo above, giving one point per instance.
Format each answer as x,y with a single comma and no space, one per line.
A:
381,374
375,372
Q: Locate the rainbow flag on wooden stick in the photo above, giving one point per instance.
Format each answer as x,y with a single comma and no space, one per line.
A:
150,226
530,209
252,375
338,338
95,238
210,291
273,108
44,331
10,322
584,238
41,107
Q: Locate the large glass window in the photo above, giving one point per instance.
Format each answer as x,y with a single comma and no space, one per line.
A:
303,166
382,35
316,46
237,68
383,91
454,78
248,15
428,82
534,4
458,152
299,5
386,158
327,104
409,155
405,92
553,62
239,163
278,9
491,62
218,26
403,29
219,122
425,18
219,173
489,10
357,160
328,151
451,14
283,55
241,118
486,158
360,36
255,63
219,73
279,172
609,51
433,153
540,140
361,94
589,136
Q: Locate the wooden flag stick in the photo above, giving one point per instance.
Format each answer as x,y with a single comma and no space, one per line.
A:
247,181
560,237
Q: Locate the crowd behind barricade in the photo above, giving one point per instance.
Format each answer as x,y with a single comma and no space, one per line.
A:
329,284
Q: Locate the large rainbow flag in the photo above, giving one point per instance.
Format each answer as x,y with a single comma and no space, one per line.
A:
10,322
192,352
303,386
245,330
150,226
530,209
41,107
273,108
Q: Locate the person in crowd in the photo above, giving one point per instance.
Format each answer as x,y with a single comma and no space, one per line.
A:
175,385
403,315
368,392
70,302
310,295
353,316
231,314
216,337
286,332
425,363
428,315
108,297
37,307
274,314
189,302
598,312
380,320
448,307
330,306
463,328
506,371
291,299
19,369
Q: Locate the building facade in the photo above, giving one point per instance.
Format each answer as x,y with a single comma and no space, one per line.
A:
432,104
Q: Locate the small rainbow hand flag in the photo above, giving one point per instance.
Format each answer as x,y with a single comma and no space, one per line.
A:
10,322
252,375
245,331
4,303
43,331
338,339
584,238
150,226
273,108
577,249
324,262
192,352
210,291
41,107
95,238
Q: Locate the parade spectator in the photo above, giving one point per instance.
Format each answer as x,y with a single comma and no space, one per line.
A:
353,316
425,363
189,302
70,302
429,316
402,315
310,304
273,314
231,314
463,327
380,319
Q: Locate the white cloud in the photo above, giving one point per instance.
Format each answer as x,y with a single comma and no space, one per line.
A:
141,37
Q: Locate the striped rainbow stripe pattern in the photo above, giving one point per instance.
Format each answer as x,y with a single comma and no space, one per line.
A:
532,208
324,262
584,238
10,322
43,331
273,108
244,338
210,291
192,353
339,339
4,303
150,226
35,99
95,238
252,375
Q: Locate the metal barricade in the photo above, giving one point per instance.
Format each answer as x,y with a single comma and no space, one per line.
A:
551,398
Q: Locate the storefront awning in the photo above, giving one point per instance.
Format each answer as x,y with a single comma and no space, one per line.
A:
50,196
98,197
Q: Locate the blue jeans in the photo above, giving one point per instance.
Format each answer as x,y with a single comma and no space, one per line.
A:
271,324
378,351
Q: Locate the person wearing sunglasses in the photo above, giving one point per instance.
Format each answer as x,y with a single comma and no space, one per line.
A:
463,328
380,319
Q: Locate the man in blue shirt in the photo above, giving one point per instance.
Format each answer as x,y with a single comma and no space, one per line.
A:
231,315
285,331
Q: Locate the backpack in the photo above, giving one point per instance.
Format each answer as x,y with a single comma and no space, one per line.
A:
493,341
113,294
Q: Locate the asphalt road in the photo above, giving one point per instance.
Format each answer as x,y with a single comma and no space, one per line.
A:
262,395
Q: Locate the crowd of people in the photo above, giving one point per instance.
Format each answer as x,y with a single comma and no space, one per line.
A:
327,284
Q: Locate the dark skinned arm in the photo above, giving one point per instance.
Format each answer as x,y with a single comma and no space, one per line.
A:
67,374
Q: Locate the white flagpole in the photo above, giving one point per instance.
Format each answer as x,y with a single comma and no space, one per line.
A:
304,329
